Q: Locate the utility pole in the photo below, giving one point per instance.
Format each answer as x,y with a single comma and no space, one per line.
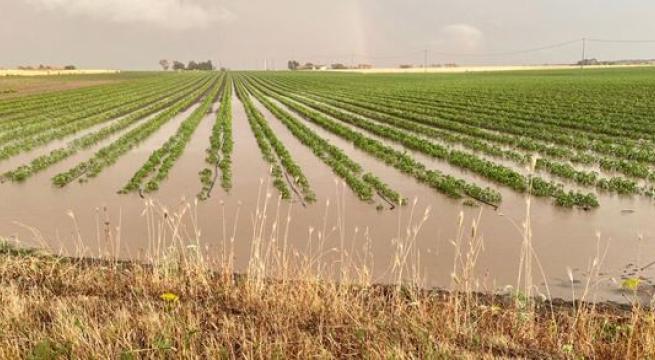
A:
425,60
584,45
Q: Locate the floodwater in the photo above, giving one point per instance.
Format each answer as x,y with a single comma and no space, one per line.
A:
78,218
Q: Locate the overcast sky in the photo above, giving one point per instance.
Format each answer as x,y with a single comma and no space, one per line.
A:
135,34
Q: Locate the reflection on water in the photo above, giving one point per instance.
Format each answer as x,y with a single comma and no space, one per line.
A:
337,222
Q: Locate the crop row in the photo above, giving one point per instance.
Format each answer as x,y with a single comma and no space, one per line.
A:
45,137
109,154
614,184
265,149
587,124
70,118
87,106
621,109
474,102
602,107
565,171
219,153
627,167
457,130
551,134
331,155
606,140
42,162
446,184
487,169
267,140
48,104
160,162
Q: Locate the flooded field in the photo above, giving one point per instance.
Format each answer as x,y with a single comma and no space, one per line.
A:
72,219
91,219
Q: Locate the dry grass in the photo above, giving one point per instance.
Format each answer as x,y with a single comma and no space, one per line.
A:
54,307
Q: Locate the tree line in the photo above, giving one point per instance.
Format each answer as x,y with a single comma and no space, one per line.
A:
177,65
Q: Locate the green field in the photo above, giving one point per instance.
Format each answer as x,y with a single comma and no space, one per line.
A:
563,135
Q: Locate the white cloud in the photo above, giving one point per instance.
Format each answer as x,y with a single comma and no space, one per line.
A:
174,14
460,38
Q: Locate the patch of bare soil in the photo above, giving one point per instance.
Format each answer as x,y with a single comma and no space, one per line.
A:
16,87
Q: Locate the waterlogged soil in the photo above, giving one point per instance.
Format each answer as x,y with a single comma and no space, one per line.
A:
91,219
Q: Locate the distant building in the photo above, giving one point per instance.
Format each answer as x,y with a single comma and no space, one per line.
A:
306,66
43,67
587,62
310,66
593,61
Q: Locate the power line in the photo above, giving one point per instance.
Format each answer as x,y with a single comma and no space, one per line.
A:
621,41
431,51
584,48
503,53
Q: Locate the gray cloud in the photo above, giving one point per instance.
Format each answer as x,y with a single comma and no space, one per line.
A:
135,34
460,38
173,14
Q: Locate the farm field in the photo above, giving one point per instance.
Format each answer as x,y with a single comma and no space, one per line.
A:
12,86
352,160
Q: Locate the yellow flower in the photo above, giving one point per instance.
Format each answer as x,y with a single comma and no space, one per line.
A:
169,297
631,283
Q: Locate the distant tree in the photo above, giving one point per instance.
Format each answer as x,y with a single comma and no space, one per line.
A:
293,65
69,67
178,65
193,65
338,66
206,65
164,64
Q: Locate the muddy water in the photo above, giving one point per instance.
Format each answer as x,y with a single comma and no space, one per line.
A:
47,209
562,238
